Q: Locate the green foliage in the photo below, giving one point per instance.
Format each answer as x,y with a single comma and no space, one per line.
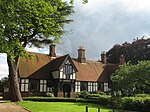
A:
101,99
142,95
82,94
132,79
85,1
101,93
3,83
93,98
125,103
98,96
31,22
130,103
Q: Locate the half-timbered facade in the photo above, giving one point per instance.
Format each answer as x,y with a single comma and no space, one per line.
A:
62,75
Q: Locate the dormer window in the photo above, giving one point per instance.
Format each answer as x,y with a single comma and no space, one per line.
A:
67,70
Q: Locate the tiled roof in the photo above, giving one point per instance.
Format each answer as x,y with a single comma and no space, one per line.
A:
41,66
36,67
91,71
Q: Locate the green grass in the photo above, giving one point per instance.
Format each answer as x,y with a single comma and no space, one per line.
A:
60,107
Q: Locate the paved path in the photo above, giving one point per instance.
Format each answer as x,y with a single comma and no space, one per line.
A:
10,107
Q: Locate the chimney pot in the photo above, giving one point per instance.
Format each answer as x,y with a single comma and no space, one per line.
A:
103,57
52,52
81,54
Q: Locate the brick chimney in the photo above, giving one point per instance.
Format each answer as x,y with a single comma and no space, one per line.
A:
52,50
103,57
122,59
81,55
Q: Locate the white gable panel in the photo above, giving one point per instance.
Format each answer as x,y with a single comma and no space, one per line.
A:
74,75
61,74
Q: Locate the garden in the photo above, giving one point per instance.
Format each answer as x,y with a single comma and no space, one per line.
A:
106,103
61,107
130,92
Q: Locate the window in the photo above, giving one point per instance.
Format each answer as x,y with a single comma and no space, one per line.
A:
24,85
105,87
89,86
77,86
43,84
84,86
67,70
34,85
92,86
49,86
95,86
100,86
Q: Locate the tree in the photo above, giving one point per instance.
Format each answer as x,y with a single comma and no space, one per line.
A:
136,51
29,22
132,79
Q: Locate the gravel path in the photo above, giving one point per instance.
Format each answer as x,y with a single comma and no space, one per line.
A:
10,107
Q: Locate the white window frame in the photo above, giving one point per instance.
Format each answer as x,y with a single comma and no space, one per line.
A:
106,87
43,85
24,85
77,86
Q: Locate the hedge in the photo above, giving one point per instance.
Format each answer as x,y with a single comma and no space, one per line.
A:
126,103
49,99
130,103
101,100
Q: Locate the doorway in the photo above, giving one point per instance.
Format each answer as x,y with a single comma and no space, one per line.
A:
66,90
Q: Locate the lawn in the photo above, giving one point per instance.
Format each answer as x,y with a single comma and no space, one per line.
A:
60,107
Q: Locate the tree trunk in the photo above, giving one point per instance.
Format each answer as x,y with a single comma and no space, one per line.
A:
14,90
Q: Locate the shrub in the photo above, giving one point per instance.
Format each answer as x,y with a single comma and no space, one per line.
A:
100,99
142,95
130,103
77,94
101,93
83,94
95,98
146,105
115,102
103,99
49,94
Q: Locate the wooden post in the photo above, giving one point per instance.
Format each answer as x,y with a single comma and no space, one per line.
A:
98,109
86,108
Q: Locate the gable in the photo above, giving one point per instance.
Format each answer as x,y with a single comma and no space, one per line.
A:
42,65
68,61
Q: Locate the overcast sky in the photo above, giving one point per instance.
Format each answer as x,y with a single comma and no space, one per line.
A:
98,25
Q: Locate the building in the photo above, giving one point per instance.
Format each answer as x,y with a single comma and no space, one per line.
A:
62,75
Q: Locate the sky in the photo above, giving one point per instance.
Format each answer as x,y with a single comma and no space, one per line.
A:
98,26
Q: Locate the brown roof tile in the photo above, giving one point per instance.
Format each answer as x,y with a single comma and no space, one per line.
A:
41,66
91,71
35,67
